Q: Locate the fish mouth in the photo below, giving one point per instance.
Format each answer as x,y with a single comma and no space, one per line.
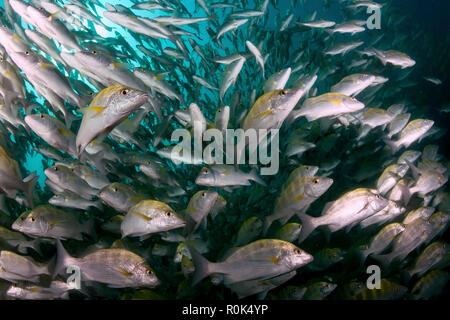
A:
308,259
180,225
145,96
200,181
155,283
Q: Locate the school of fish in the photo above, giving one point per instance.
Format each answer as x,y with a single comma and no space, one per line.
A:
92,91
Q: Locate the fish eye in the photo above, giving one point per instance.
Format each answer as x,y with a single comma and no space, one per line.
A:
297,251
203,194
169,213
91,93
115,189
220,110
42,116
55,168
149,272
283,92
315,181
124,92
205,171
33,219
377,196
27,53
94,52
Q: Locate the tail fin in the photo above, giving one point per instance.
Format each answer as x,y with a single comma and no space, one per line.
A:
35,245
84,100
267,223
89,229
407,275
289,214
415,171
202,265
255,177
22,123
308,226
384,259
294,115
363,254
97,160
394,147
30,182
28,108
63,259
68,119
156,109
98,204
191,226
49,268
406,194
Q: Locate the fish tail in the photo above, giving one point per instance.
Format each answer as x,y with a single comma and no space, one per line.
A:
68,119
28,107
202,265
285,219
191,226
394,147
415,171
84,100
89,229
407,193
97,160
140,144
267,223
62,261
156,108
30,182
99,205
308,226
407,275
76,100
294,115
255,177
35,245
363,254
79,150
24,125
384,259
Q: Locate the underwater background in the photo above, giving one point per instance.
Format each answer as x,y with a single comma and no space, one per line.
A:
341,152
